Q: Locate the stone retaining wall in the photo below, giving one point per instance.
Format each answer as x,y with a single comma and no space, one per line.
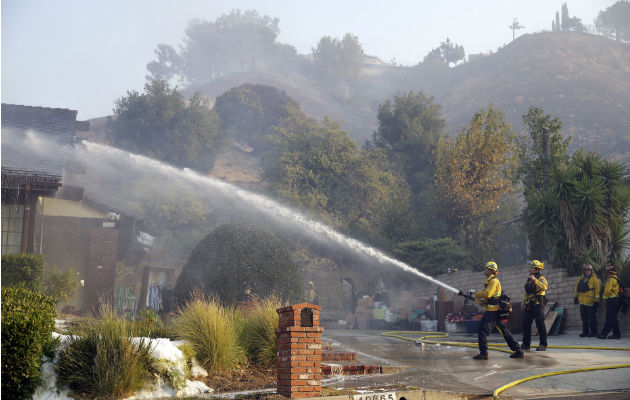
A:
512,282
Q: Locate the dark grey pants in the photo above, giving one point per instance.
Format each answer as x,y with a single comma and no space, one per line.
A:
534,313
489,321
589,319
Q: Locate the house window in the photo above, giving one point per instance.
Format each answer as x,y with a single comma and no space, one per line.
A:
12,217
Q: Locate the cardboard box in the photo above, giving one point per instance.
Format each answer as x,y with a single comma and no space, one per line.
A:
365,302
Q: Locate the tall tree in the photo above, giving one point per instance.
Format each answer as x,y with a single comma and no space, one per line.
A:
570,23
474,173
448,52
541,150
321,169
235,42
250,112
339,59
161,123
514,27
409,129
615,21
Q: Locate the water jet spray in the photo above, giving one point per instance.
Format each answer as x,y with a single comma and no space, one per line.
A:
263,204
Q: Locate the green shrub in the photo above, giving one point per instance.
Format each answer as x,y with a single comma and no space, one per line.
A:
212,331
28,320
148,324
104,362
258,334
23,269
235,256
60,284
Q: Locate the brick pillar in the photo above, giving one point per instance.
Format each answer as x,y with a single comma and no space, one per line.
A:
101,275
299,344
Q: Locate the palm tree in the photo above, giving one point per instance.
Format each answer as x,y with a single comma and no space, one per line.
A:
515,25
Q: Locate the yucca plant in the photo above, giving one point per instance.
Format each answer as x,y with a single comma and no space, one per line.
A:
212,330
258,334
103,361
580,215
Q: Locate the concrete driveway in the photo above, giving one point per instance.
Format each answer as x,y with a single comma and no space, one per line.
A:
450,368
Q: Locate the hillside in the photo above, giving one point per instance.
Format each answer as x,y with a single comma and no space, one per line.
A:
582,79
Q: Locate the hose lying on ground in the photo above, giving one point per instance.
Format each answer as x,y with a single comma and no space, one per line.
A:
502,347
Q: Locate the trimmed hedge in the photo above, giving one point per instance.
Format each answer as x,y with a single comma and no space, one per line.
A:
28,320
23,269
234,256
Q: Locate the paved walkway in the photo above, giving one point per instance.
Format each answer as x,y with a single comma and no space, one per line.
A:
451,368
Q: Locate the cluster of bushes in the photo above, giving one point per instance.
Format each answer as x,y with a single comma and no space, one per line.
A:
107,357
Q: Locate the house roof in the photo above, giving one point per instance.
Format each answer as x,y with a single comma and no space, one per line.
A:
24,125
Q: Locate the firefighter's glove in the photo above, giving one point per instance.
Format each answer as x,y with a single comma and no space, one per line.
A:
575,301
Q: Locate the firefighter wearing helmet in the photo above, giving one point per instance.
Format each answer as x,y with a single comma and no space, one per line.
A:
533,306
586,294
611,298
489,298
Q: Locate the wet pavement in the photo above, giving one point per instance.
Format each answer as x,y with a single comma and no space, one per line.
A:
451,368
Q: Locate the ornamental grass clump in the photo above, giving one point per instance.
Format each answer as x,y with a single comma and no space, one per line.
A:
212,331
258,332
103,361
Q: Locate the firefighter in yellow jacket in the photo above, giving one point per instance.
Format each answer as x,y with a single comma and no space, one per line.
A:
489,298
533,306
611,299
586,294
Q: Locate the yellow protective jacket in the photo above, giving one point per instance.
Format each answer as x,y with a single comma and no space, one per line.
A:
611,290
311,295
592,296
541,287
490,294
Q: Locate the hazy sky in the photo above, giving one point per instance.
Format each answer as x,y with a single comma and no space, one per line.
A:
84,54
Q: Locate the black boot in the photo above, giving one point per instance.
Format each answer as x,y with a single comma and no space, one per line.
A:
583,334
613,336
481,356
517,354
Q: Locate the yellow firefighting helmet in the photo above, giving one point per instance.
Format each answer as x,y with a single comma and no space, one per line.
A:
493,266
537,264
611,269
